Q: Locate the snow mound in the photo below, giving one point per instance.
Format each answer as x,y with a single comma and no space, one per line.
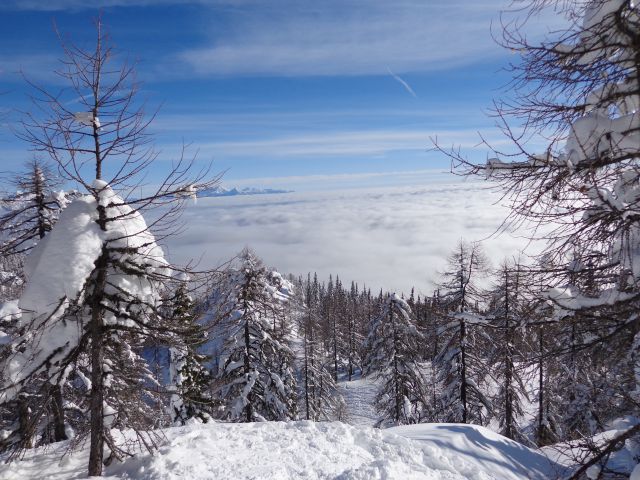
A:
622,460
293,450
477,451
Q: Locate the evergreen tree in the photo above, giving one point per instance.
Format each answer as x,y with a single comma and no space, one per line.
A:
506,320
256,379
394,345
189,377
460,368
29,213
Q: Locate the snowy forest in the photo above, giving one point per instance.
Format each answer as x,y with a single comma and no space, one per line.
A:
114,361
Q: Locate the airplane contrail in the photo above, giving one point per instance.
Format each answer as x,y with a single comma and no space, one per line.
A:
406,86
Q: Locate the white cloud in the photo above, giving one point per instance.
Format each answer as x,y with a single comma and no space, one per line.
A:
35,67
352,37
394,237
348,180
56,5
263,117
345,143
331,37
355,37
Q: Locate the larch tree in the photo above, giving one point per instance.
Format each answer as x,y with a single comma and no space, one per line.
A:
319,393
580,88
458,365
94,286
506,325
394,353
255,377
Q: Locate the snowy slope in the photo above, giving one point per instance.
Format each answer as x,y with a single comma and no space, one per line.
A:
482,450
574,453
276,450
359,396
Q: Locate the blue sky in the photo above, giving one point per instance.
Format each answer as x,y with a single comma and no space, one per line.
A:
282,89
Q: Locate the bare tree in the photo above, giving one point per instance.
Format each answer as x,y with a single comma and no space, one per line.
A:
461,398
580,90
96,133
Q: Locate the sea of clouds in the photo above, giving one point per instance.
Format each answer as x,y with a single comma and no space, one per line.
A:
391,237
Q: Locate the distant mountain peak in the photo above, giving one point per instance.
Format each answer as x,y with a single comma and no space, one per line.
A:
220,191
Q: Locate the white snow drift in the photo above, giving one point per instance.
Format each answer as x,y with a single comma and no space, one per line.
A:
294,450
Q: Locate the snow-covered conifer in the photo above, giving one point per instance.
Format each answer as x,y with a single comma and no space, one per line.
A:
189,378
459,365
29,213
255,377
394,353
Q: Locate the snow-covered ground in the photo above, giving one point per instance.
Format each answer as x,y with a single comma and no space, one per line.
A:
622,460
295,450
359,396
476,448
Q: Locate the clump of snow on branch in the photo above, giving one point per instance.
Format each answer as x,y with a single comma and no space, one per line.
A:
57,272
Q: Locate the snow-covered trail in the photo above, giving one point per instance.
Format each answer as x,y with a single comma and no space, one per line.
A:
359,395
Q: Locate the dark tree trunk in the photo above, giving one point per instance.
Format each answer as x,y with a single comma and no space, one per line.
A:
351,347
463,371
57,405
396,372
247,368
40,202
312,388
96,452
508,367
96,402
306,375
26,433
508,387
541,433
335,349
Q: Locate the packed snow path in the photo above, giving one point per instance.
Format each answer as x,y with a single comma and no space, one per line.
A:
359,396
305,450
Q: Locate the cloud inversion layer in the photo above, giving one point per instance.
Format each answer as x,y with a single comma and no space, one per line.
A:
391,237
